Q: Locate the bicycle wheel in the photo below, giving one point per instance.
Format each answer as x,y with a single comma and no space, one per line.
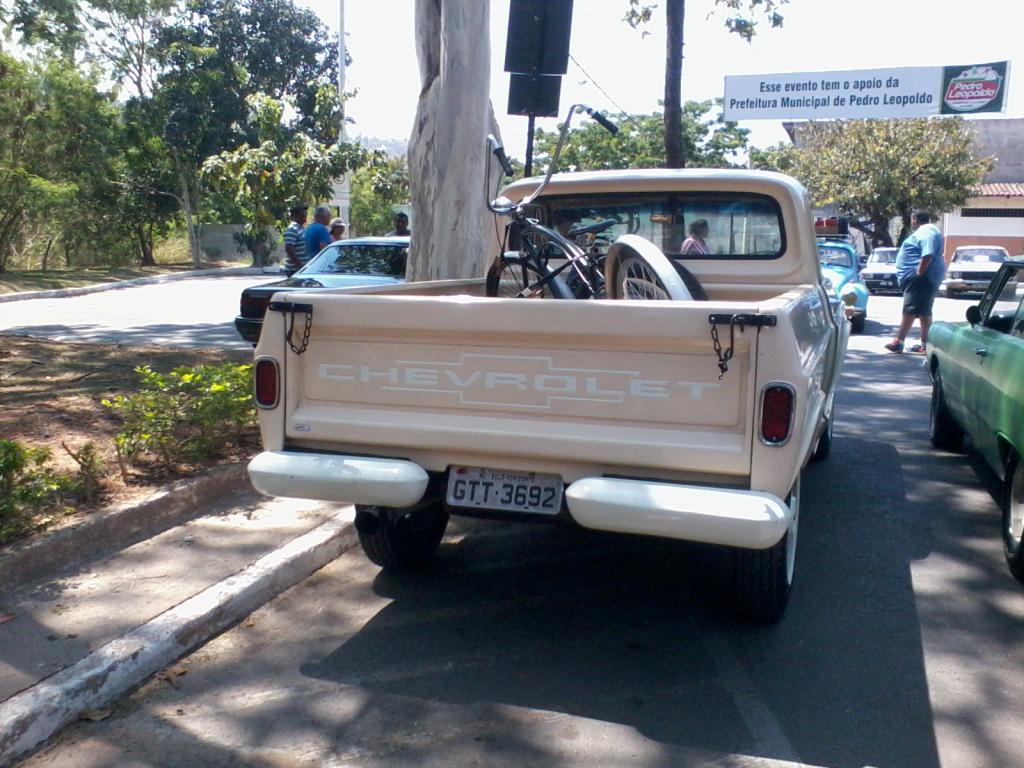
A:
515,277
635,268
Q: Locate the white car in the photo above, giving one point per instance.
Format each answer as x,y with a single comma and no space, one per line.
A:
972,268
879,274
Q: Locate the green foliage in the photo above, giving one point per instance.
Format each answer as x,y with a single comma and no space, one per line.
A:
780,157
89,478
377,192
27,486
881,169
188,415
265,178
741,19
742,15
58,149
53,23
710,142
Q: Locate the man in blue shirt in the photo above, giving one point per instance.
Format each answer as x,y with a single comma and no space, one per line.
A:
317,235
920,267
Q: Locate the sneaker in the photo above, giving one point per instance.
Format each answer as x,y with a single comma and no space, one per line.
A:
895,346
919,349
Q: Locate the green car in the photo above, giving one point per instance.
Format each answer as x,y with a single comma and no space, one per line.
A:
977,371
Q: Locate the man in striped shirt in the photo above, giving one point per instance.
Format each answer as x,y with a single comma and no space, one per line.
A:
294,242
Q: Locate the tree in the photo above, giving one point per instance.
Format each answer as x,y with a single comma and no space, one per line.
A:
640,143
58,147
447,161
145,175
377,191
780,157
880,169
122,35
216,55
53,23
266,177
741,21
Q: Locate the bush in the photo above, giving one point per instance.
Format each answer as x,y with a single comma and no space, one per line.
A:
27,486
188,415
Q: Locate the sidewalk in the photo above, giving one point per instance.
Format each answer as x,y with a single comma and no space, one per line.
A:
167,278
78,637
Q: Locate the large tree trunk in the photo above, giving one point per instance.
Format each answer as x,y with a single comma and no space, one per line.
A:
186,205
453,232
46,254
145,246
675,11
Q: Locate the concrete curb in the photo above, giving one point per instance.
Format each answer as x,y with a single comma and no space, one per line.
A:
57,293
118,527
32,716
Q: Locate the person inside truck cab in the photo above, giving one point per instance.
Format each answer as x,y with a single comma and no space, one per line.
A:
696,243
563,220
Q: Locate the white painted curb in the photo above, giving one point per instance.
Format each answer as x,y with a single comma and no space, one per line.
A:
32,716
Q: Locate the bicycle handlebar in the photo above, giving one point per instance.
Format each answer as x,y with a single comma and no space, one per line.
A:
607,124
499,152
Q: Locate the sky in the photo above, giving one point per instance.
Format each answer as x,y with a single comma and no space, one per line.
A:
619,69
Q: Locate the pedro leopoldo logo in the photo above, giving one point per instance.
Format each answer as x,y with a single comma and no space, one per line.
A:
973,88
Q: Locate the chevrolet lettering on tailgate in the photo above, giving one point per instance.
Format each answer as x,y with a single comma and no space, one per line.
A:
477,384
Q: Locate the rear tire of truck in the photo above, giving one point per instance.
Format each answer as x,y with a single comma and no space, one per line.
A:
401,540
943,431
763,578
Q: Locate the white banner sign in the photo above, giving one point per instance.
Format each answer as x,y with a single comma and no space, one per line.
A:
867,93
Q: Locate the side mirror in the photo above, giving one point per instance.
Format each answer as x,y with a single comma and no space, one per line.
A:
974,314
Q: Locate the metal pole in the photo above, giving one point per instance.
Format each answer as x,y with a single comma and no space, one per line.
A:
529,147
341,59
345,191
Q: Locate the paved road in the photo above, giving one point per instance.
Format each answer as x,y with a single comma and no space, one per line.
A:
197,313
536,646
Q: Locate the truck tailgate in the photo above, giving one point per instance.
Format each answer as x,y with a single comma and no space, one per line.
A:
519,383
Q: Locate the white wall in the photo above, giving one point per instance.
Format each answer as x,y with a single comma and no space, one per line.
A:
954,224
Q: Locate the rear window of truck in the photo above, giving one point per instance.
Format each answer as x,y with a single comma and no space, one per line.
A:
737,226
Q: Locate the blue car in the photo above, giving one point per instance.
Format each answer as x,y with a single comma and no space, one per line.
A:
840,268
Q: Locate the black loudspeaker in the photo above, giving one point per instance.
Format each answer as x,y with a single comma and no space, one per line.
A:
538,37
534,95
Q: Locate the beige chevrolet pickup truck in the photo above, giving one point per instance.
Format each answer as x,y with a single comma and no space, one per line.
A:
686,419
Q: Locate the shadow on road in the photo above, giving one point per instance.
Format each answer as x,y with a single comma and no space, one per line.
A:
636,631
190,335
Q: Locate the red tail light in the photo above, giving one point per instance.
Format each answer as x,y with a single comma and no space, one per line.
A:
776,413
267,380
254,306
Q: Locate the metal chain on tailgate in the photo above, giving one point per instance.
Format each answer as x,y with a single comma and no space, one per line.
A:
300,348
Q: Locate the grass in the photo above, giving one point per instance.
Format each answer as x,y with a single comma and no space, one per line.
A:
171,255
38,280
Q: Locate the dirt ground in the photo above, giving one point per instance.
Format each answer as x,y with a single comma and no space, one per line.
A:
51,393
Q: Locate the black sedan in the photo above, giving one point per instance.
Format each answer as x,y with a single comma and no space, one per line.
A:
342,264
